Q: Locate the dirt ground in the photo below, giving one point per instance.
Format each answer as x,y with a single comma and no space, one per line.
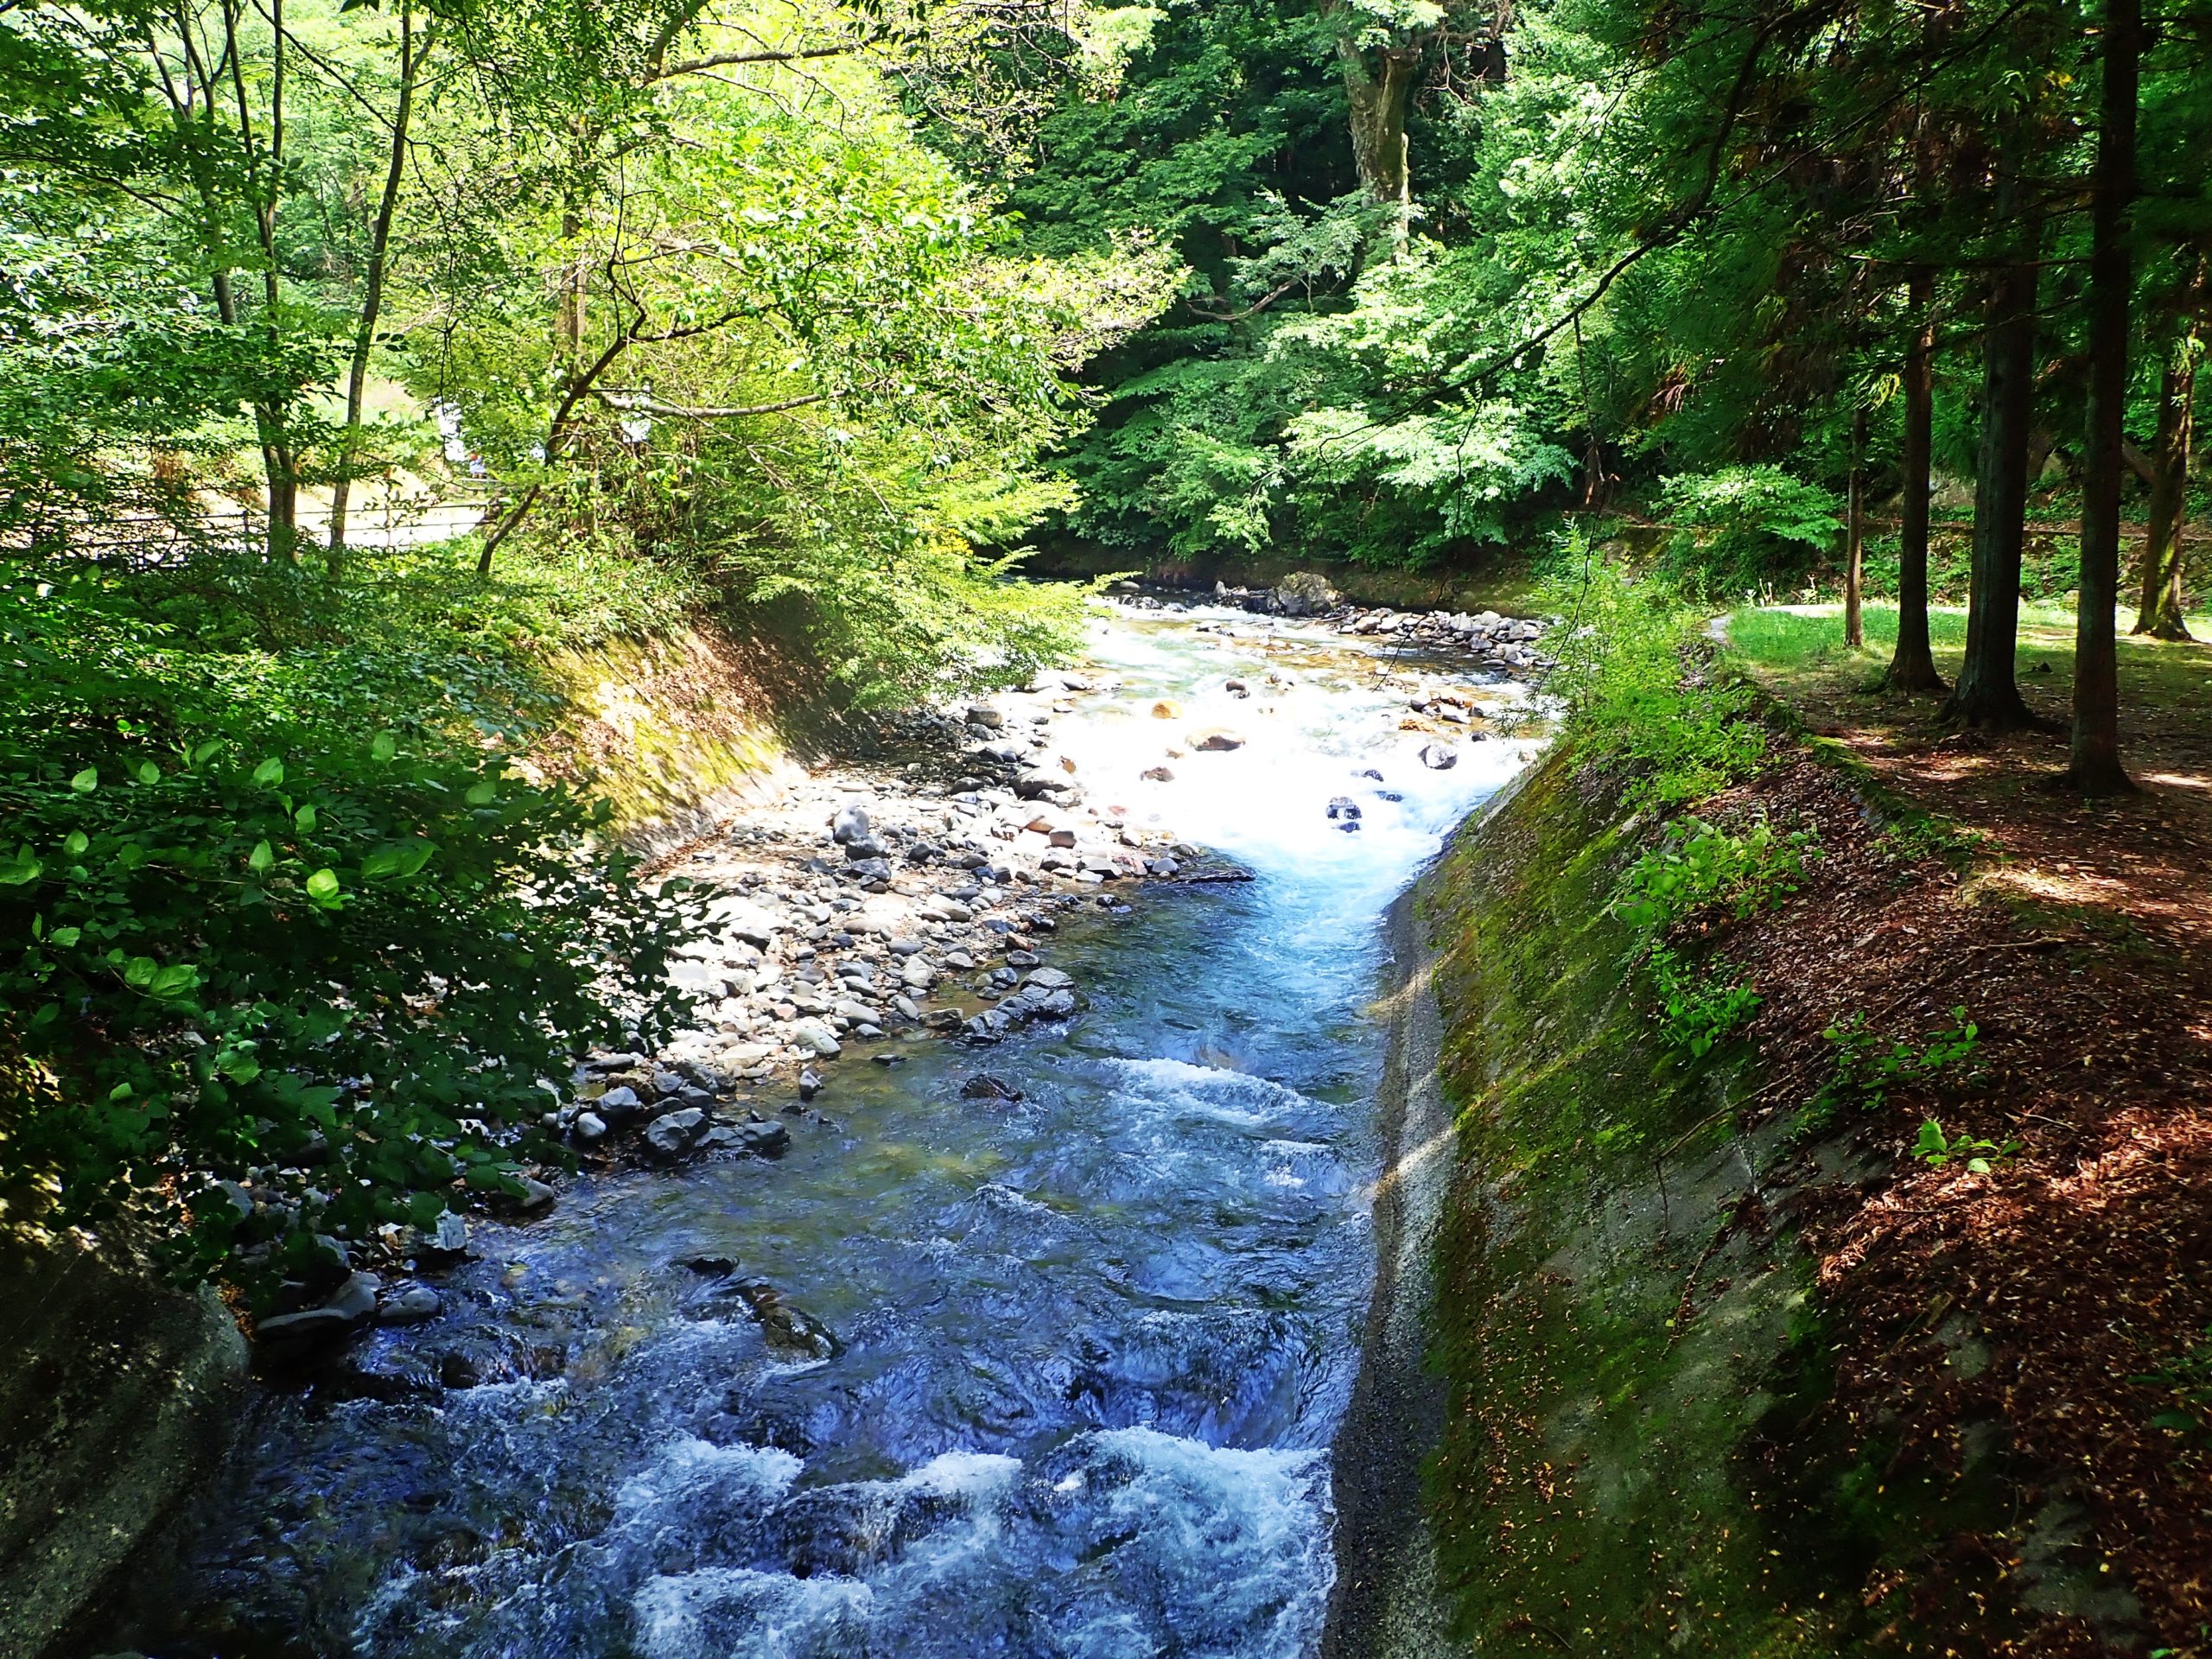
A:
2053,1312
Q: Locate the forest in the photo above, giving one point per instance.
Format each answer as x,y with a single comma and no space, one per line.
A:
362,362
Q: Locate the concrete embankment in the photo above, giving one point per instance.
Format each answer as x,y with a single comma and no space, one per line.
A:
1598,1412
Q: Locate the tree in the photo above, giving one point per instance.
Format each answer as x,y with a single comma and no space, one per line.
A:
2165,556
2094,767
1987,694
1912,666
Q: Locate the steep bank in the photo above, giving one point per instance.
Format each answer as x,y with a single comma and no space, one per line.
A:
1639,1454
1736,1364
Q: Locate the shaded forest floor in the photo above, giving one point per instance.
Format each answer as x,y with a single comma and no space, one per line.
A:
2052,1316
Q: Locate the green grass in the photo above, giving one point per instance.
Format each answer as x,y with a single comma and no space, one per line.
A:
1775,638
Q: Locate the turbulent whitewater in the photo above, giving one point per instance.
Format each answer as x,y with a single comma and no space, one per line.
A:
1090,1350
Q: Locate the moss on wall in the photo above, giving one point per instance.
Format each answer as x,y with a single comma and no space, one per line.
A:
1637,1460
664,727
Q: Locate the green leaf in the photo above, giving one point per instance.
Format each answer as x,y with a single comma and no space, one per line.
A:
380,863
138,973
149,772
75,842
270,772
415,855
63,937
262,857
174,980
201,751
19,868
87,781
322,886
383,748
305,818
481,794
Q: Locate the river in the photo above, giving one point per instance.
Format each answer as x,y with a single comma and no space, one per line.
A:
1089,1352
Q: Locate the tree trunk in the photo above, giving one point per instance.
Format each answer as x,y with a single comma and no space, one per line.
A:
1854,540
2164,561
1987,696
1380,93
1912,667
372,295
2094,767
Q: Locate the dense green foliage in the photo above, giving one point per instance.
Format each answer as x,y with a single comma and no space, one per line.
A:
1652,255
280,905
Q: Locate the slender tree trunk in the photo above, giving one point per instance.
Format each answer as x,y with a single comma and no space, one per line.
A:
1912,667
1854,540
2095,768
364,330
2164,560
1987,696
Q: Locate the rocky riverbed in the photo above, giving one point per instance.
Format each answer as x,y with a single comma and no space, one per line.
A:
983,1272
913,897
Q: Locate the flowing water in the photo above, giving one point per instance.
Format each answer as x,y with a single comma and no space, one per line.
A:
1091,1349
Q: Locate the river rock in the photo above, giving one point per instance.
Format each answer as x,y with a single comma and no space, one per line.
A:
815,1034
619,1105
1050,979
1439,756
1035,785
448,1235
672,1134
307,1328
588,1128
810,1082
850,824
409,1305
1216,741
984,1086
356,1298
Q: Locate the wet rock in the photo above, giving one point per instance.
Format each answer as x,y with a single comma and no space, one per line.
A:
762,1138
816,1035
982,714
941,1019
1158,775
1166,708
984,1086
1050,979
810,1084
673,1133
589,1128
850,824
1036,785
356,1298
1236,689
619,1105
458,1371
1216,741
290,1333
535,1196
708,1267
1343,807
864,849
409,1305
1439,756
447,1236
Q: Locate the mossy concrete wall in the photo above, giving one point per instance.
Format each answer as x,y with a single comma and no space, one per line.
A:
117,1398
1633,1458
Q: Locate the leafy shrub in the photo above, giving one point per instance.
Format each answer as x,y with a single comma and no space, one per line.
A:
1978,1153
1865,1070
240,937
1630,676
2186,1380
1745,528
1696,865
1698,1006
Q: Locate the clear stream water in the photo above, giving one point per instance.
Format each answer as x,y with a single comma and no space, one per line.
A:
1093,1347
